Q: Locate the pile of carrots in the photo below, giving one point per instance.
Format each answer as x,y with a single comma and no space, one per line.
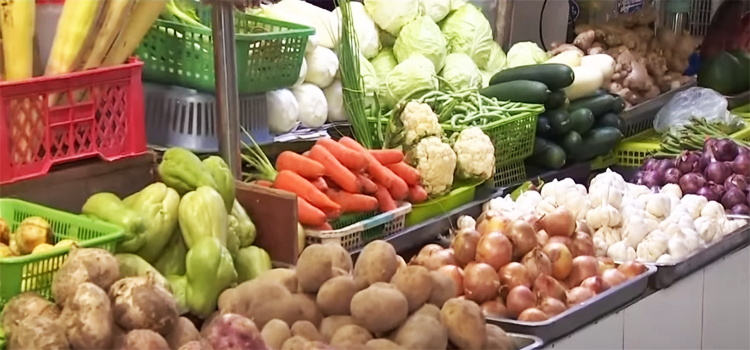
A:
336,178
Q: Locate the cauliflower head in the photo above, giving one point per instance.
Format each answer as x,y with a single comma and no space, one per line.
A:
475,155
419,122
436,163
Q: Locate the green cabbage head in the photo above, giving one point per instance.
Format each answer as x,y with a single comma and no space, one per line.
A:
392,15
421,37
498,60
461,72
415,73
525,53
468,31
384,62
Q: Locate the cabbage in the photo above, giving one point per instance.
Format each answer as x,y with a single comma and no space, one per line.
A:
468,31
386,39
436,9
461,72
421,37
384,62
367,32
408,76
370,80
335,97
392,15
525,53
486,77
283,111
457,4
498,60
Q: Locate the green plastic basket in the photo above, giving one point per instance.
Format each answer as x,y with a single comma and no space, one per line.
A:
441,205
269,54
509,173
604,161
34,272
512,137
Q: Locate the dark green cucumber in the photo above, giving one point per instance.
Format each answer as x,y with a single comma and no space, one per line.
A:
559,121
582,120
571,143
610,119
619,105
540,145
525,91
547,155
542,127
556,100
596,104
554,75
598,142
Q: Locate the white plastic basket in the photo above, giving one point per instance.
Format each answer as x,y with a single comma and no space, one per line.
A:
357,235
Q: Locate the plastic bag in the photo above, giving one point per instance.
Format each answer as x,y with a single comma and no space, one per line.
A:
695,102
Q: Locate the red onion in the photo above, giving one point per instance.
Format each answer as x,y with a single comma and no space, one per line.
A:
737,181
687,162
650,179
741,164
672,176
708,193
741,209
650,164
732,198
726,150
717,172
691,182
664,164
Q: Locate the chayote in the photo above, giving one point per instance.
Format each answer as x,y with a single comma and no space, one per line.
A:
182,170
108,207
157,205
242,225
219,171
132,265
202,214
172,258
250,262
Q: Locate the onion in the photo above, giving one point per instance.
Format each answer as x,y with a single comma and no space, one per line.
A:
578,295
546,286
691,182
542,237
717,188
534,220
494,308
455,273
672,176
523,237
726,150
583,268
537,263
737,181
561,259
613,277
519,298
551,306
596,284
650,179
494,249
650,164
664,164
741,164
560,222
717,172
465,246
631,269
401,261
562,240
481,282
583,226
513,275
425,253
733,197
740,209
582,245
709,193
439,259
605,263
687,162
533,315
497,223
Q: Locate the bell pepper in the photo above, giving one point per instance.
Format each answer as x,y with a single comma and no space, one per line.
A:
108,207
242,225
172,258
250,262
157,205
202,214
183,171
222,175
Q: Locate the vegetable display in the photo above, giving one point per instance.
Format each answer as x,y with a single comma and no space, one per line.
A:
32,236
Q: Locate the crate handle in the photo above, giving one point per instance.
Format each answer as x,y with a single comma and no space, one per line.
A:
378,220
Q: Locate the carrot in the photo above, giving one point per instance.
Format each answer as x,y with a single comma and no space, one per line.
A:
378,172
399,189
301,165
309,215
353,203
331,184
320,184
406,172
335,170
347,157
417,194
324,227
264,183
387,156
368,187
385,201
290,181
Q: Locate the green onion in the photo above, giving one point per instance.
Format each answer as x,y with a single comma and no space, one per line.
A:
258,160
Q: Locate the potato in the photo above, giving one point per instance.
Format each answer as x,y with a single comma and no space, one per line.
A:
465,323
65,243
275,333
143,303
32,232
233,332
308,308
379,309
93,265
182,332
39,333
428,310
42,248
287,277
263,301
497,339
5,251
377,262
87,318
4,231
143,339
26,305
383,344
415,282
320,262
195,345
335,296
444,288
331,324
317,345
306,330
350,337
422,332
295,343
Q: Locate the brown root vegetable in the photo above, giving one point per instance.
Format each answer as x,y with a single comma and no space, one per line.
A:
424,253
295,343
4,232
306,330
565,47
439,259
287,277
182,332
584,40
87,318
196,345
350,337
422,332
143,339
24,305
415,282
443,288
275,333
94,265
38,332
465,246
497,339
335,295
233,332
382,344
376,263
379,309
465,323
428,310
320,262
32,232
143,303
331,324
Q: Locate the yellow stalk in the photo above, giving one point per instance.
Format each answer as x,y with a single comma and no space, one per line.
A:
17,25
115,19
142,17
76,22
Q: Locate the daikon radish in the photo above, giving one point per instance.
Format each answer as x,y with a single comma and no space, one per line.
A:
603,62
569,58
587,81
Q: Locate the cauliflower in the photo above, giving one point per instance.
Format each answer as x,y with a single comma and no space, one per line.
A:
419,122
436,162
475,155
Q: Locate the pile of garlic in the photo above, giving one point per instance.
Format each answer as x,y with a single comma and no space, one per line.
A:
630,222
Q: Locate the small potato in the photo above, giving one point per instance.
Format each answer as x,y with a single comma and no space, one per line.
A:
88,319
275,333
350,337
4,231
182,332
415,282
65,243
24,305
331,324
465,323
379,309
295,343
94,265
307,308
428,310
444,288
143,339
318,263
306,330
422,332
5,251
42,248
287,277
383,344
38,332
377,262
335,296
497,339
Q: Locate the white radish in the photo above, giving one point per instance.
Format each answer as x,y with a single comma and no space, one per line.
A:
571,58
587,81
603,62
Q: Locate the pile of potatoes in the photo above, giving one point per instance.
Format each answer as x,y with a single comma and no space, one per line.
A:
327,302
33,236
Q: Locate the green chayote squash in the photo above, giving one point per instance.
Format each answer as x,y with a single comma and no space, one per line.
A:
108,207
250,262
219,171
183,171
202,214
157,205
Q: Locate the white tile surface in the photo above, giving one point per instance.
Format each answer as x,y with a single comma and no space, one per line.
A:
726,303
605,334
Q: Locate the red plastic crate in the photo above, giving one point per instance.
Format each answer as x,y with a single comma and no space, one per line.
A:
108,122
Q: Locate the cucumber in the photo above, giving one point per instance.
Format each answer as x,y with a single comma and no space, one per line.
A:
619,105
610,119
548,155
596,104
554,75
559,121
556,100
597,142
571,143
542,127
525,91
540,145
582,120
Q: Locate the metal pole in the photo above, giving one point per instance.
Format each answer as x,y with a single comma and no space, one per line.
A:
227,100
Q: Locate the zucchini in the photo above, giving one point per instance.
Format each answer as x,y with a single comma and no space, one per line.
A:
597,142
554,75
542,126
540,145
596,104
525,91
610,119
548,155
582,120
619,104
556,100
571,143
559,121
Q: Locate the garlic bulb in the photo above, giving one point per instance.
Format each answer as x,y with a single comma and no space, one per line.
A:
466,222
658,205
694,204
707,228
605,215
713,210
664,259
677,248
672,189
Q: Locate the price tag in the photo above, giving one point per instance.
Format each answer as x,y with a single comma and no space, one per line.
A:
629,6
573,12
